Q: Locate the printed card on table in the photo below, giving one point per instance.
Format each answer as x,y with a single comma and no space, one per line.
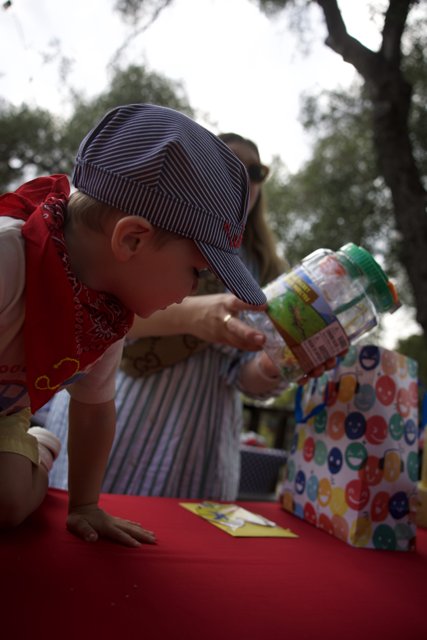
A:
236,521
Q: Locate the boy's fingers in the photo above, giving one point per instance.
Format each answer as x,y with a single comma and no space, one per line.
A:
125,532
146,536
130,534
81,528
135,530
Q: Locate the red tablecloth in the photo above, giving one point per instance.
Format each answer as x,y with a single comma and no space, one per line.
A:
198,583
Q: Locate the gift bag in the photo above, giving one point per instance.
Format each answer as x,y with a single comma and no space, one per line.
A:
353,466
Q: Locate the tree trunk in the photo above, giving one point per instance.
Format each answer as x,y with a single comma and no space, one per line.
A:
391,100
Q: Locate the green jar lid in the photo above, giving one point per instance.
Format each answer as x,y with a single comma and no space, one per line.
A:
380,289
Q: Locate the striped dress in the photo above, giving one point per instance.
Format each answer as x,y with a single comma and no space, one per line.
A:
177,433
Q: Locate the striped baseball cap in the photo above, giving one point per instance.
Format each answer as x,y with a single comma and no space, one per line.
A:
155,162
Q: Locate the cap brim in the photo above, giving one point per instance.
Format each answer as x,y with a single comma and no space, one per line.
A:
229,268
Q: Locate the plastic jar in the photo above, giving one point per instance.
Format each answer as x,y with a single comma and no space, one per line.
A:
318,308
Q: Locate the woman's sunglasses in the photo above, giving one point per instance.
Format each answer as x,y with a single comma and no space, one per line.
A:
257,172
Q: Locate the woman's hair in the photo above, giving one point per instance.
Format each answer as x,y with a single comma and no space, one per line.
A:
258,238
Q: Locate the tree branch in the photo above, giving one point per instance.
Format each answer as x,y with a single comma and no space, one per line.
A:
137,32
340,41
394,26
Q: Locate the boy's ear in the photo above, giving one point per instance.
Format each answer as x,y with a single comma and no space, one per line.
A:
129,235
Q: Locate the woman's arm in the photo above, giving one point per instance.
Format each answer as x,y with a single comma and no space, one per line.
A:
204,317
259,376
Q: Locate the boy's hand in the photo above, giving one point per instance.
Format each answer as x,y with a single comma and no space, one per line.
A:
89,522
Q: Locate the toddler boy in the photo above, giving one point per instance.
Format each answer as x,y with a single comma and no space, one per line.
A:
159,198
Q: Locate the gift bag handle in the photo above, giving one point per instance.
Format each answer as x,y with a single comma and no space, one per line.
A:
423,421
299,415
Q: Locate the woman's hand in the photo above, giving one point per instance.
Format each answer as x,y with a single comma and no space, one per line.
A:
216,319
213,318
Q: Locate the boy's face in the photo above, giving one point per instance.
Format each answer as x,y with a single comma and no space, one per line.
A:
160,275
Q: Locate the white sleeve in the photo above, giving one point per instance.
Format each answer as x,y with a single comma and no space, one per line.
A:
99,383
12,273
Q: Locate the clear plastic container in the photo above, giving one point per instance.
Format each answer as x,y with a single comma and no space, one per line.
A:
318,308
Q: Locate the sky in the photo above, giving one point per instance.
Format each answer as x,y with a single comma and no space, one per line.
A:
239,67
241,71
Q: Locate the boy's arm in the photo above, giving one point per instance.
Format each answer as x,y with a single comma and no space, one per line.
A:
91,432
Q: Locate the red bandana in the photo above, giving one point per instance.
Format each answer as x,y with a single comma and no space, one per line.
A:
67,325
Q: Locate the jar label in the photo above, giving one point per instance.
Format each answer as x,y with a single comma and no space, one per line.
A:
304,319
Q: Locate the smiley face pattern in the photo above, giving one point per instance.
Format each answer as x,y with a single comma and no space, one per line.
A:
353,467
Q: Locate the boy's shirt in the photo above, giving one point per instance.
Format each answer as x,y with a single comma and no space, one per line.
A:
99,383
56,329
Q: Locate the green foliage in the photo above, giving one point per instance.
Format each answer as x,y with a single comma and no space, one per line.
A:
130,85
133,11
416,347
272,7
34,142
339,195
414,67
29,142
